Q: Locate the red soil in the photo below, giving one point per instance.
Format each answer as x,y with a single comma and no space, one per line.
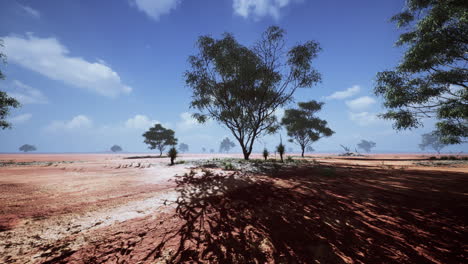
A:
358,211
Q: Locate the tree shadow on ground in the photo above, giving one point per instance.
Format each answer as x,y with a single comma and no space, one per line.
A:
318,215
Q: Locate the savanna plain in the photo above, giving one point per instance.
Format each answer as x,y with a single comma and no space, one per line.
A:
219,208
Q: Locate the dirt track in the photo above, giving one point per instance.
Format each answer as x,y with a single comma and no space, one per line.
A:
103,208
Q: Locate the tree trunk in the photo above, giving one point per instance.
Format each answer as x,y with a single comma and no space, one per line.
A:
172,161
281,156
303,148
246,154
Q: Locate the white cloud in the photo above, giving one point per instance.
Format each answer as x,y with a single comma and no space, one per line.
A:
365,118
20,118
187,121
360,103
155,8
345,94
31,11
76,123
260,8
26,94
49,57
140,122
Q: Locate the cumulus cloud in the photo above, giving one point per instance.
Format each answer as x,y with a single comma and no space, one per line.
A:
19,119
50,58
187,121
365,118
26,94
76,123
31,11
360,103
140,122
260,8
344,94
155,8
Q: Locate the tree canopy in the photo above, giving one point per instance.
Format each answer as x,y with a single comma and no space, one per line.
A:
27,148
183,147
366,145
6,102
241,87
303,126
431,80
432,140
159,138
226,145
116,148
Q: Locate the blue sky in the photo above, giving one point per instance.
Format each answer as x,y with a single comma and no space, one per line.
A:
91,74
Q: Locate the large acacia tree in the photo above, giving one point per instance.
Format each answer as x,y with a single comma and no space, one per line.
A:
241,87
303,126
431,80
159,137
6,102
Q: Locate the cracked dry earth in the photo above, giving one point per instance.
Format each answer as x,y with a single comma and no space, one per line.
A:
59,203
107,209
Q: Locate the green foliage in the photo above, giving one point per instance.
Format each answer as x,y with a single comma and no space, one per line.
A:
172,154
226,145
241,87
116,148
280,149
159,137
366,145
289,159
229,166
6,102
431,80
265,153
303,126
27,148
183,147
432,140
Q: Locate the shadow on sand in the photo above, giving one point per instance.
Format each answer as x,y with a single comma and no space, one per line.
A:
318,215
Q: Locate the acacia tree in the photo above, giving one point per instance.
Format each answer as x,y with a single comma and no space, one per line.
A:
366,145
203,149
6,102
159,138
116,148
226,145
431,80
27,148
303,127
432,140
183,147
241,87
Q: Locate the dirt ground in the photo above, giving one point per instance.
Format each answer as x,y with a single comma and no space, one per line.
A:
105,208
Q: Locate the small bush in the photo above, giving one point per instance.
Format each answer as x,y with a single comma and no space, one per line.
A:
444,158
289,159
229,166
265,154
452,157
172,154
432,158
